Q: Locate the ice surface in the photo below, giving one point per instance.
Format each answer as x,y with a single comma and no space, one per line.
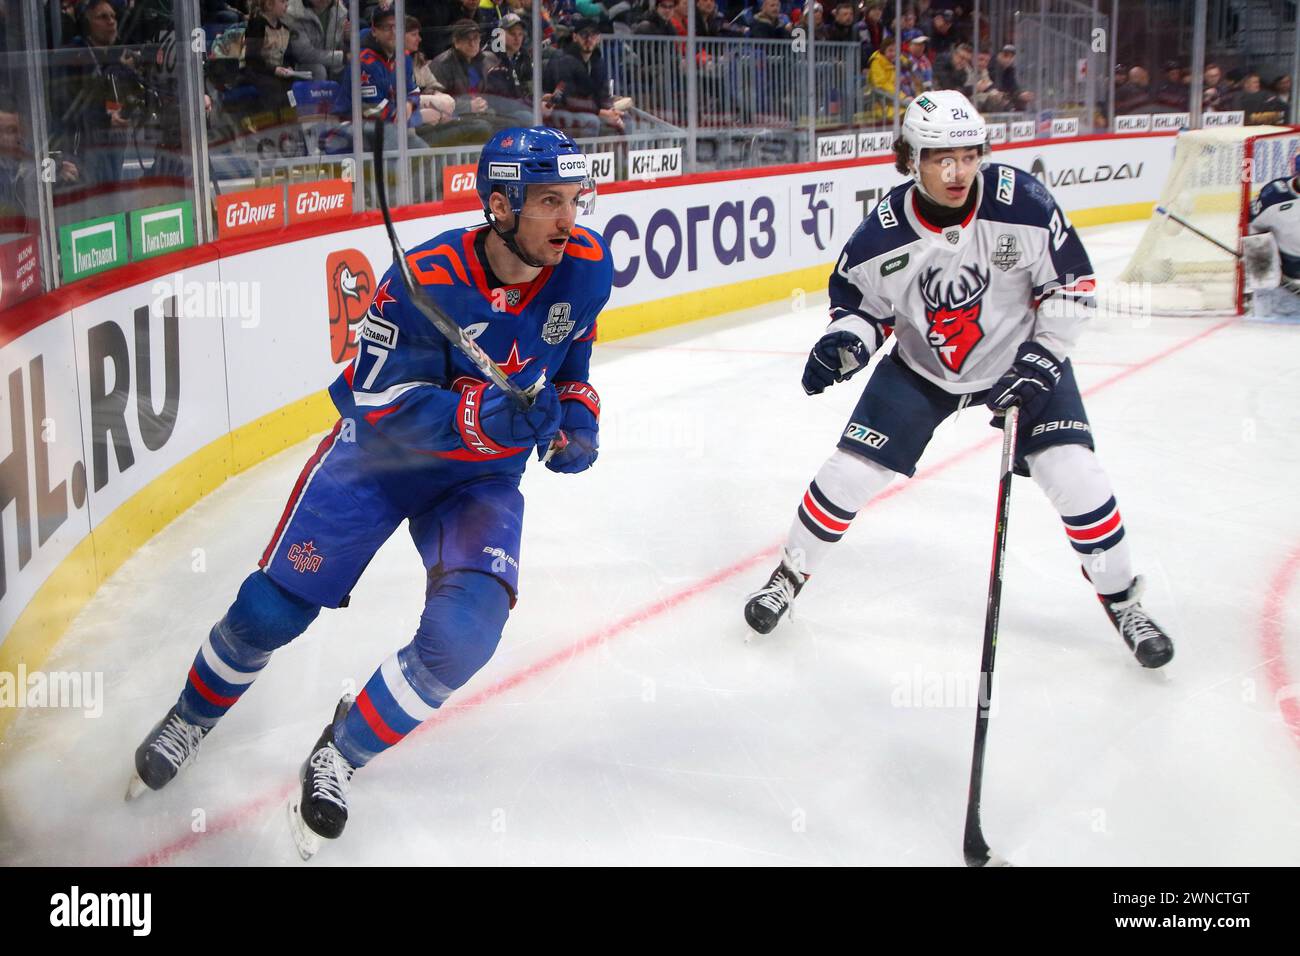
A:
625,718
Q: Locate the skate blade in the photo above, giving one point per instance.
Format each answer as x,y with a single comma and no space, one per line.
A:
135,787
306,842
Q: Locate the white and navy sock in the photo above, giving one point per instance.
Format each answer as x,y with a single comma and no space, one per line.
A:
843,485
1077,485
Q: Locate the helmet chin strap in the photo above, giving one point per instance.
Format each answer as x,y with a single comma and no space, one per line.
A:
508,237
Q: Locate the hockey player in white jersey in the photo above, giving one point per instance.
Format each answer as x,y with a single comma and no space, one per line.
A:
981,279
1276,210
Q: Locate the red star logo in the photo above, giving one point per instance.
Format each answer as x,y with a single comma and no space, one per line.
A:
513,364
382,298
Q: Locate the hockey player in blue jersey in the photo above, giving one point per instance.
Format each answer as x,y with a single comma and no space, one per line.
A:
983,283
423,439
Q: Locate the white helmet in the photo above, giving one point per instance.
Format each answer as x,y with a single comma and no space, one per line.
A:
942,119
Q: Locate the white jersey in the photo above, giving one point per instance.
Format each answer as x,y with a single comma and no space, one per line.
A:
961,299
1276,210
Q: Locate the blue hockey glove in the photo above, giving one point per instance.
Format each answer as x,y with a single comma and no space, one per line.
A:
1029,382
490,421
837,356
580,421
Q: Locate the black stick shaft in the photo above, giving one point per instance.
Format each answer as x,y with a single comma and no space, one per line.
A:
975,848
1204,235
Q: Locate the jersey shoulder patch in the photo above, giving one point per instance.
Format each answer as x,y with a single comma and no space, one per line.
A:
1013,195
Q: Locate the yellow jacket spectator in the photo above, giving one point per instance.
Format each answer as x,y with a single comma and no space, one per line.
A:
882,81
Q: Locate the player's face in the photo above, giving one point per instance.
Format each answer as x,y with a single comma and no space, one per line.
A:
547,220
947,174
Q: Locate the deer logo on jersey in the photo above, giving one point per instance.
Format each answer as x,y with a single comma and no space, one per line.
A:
953,311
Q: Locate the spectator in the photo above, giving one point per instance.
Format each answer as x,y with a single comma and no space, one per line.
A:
318,36
872,29
509,83
710,23
918,68
1135,95
943,38
461,71
267,57
95,94
658,21
1214,92
883,81
18,174
431,96
907,27
379,86
770,23
1260,106
1004,78
842,28
579,85
436,30
952,71
818,17
69,25
1282,89
1174,94
988,98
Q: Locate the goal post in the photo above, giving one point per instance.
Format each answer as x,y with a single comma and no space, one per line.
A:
1215,176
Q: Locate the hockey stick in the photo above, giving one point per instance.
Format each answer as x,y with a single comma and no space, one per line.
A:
1258,256
434,313
976,850
1190,228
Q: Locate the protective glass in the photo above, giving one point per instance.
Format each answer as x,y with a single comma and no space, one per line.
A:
547,202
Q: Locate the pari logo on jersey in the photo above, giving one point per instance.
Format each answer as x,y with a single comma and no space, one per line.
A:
953,311
350,282
866,435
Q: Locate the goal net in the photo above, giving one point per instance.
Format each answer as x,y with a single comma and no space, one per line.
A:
1215,175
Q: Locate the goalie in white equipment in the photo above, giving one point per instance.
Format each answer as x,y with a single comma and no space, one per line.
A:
983,283
1276,213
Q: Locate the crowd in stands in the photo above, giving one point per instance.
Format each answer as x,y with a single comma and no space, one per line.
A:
1262,101
469,68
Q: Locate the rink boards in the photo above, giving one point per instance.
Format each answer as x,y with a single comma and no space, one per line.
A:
125,409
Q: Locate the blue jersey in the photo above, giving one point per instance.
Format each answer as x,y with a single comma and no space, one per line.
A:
406,390
379,94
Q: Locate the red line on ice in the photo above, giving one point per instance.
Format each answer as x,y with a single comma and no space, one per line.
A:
1272,630
253,808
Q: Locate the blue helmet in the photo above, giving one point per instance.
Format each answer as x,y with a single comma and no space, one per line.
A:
520,155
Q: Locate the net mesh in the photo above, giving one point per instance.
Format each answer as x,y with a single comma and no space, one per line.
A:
1186,272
